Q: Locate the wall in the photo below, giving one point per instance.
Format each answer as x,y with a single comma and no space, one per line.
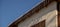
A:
48,13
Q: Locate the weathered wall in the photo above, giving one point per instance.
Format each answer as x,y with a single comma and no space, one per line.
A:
49,13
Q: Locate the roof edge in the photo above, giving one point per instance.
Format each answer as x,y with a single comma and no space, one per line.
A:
31,12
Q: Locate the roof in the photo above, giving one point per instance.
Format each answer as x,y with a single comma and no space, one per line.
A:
31,12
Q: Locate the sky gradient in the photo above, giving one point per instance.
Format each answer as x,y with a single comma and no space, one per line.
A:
12,9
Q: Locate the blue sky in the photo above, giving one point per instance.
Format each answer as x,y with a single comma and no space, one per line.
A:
12,9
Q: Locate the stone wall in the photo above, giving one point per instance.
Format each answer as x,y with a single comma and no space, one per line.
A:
48,13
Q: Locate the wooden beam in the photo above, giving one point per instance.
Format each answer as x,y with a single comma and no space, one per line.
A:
58,7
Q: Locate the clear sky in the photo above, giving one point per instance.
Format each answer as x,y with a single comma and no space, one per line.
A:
12,9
